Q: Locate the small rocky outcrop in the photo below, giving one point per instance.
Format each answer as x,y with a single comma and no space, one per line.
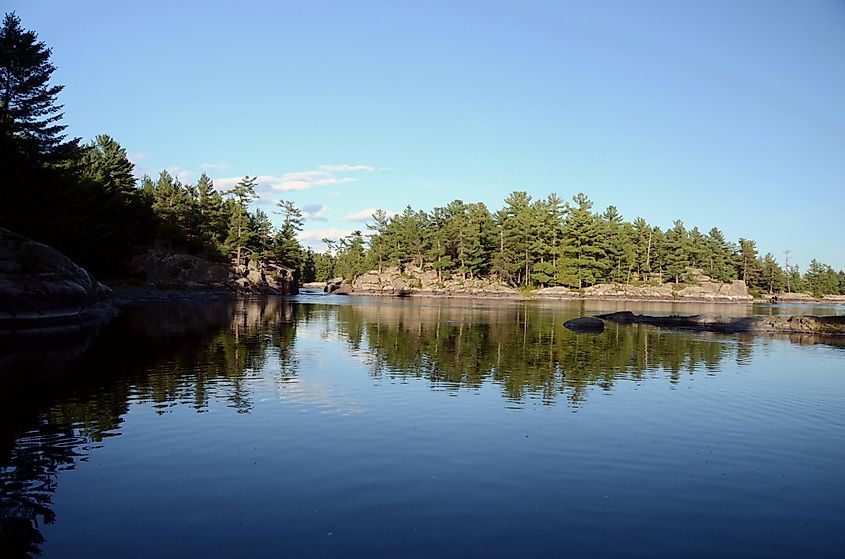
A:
263,277
41,287
414,281
698,287
184,272
338,286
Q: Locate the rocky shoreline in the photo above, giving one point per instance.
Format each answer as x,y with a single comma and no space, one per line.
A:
415,282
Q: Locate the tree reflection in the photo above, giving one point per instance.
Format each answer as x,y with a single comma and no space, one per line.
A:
526,351
158,354
197,354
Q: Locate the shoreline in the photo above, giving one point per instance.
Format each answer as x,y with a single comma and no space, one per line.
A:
413,294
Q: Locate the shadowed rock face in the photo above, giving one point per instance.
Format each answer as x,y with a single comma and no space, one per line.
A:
41,287
164,270
816,325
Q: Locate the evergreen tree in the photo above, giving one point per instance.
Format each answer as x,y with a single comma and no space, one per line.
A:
350,261
517,223
29,114
619,246
239,223
263,241
479,240
287,247
643,236
820,279
378,245
677,251
437,243
719,256
747,263
583,261
698,249
104,161
772,275
213,222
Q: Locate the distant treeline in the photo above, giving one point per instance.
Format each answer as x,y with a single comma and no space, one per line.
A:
549,242
84,200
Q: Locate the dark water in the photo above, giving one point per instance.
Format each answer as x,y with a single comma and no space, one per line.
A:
325,426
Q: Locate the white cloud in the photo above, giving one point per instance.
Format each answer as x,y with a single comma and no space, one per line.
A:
137,156
225,183
324,175
365,215
314,238
182,174
215,166
345,168
304,180
317,234
315,212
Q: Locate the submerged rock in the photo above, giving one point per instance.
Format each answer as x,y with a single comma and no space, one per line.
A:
816,325
585,325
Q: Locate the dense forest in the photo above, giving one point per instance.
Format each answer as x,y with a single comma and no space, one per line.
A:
85,200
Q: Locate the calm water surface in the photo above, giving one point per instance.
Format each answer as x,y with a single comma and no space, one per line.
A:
321,426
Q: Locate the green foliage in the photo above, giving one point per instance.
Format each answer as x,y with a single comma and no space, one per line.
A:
29,116
584,249
821,279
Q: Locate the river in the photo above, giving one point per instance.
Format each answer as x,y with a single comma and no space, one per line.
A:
324,426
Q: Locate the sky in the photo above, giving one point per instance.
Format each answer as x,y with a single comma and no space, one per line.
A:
718,113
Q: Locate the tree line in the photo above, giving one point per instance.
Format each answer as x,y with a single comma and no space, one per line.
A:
548,242
85,200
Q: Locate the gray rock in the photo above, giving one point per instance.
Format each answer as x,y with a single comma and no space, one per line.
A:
40,286
585,325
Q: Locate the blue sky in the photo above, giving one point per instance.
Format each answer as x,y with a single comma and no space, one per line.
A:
718,113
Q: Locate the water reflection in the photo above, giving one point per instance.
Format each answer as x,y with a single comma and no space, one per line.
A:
166,355
526,351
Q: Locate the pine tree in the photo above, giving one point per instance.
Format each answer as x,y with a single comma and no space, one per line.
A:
29,114
643,236
286,246
772,274
584,257
677,251
517,223
437,242
378,248
213,222
747,264
719,256
239,224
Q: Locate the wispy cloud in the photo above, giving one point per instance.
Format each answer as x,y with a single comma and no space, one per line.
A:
314,238
315,212
345,168
365,215
317,234
304,180
215,166
324,175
